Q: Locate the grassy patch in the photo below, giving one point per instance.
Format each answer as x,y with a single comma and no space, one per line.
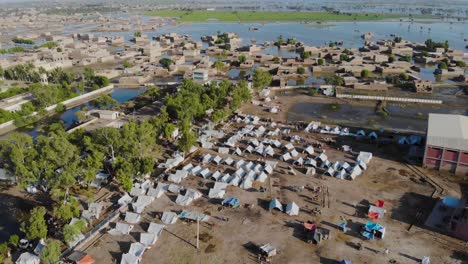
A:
234,16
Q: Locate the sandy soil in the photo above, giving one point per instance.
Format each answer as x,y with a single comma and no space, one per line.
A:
406,195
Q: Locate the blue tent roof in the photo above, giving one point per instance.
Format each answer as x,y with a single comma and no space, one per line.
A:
451,201
232,201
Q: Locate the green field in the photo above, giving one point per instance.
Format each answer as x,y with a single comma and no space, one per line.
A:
234,16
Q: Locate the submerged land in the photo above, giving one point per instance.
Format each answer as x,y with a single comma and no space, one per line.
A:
132,138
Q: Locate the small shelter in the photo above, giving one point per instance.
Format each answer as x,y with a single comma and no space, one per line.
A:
231,202
169,218
292,209
28,258
275,204
79,257
129,259
137,249
365,156
372,230
132,218
309,150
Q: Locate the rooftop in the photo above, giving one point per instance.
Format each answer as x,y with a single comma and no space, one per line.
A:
450,131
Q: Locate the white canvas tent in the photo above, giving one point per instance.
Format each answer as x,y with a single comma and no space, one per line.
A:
322,157
129,259
261,177
292,209
217,160
228,161
216,176
218,191
311,163
355,172
196,170
246,183
330,172
132,218
365,157
361,164
309,150
148,239
235,181
275,204
289,147
223,150
294,153
299,161
342,174
28,258
188,167
310,171
137,249
178,176
125,199
121,229
155,229
286,156
169,218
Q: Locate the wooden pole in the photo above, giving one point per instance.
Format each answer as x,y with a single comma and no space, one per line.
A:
198,233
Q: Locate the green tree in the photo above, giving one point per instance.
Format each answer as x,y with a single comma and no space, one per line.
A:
18,153
126,64
50,254
261,79
365,73
242,58
153,91
137,34
188,139
125,174
312,92
101,81
306,55
404,76
219,66
461,64
60,108
320,61
166,63
81,116
301,70
292,41
35,226
442,66
280,40
13,240
276,60
65,211
88,74
71,231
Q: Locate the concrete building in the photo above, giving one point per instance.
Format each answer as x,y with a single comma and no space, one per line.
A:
422,86
200,75
447,143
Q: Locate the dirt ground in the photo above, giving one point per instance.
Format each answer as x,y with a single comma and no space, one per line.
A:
407,197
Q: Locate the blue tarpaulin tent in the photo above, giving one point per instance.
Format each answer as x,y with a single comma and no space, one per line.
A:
372,230
344,261
231,201
451,201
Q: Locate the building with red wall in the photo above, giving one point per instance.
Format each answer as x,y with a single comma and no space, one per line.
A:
447,143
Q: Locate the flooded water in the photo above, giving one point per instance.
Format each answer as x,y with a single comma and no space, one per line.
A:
401,117
68,118
10,209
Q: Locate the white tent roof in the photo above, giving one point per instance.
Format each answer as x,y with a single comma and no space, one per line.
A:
156,228
268,169
121,229
132,218
188,167
206,158
246,183
223,150
289,146
240,163
275,203
299,161
193,193
205,173
216,175
235,181
240,172
137,249
28,258
125,199
148,239
136,190
269,151
183,200
218,190
228,161
238,151
286,156
196,170
310,171
226,178
129,259
365,156
309,150
169,218
341,174
292,209
330,172
311,162
261,177
361,164
355,172
178,176
322,157
217,159
294,153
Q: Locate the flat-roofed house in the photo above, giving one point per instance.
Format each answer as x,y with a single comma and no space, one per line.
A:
447,143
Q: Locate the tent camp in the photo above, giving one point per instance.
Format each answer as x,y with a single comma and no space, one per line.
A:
268,250
129,259
231,202
311,163
160,190
141,202
169,218
292,209
205,173
28,258
206,158
240,163
286,156
132,218
268,169
235,181
275,204
322,158
78,257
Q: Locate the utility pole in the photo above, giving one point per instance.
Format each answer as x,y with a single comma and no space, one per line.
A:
198,233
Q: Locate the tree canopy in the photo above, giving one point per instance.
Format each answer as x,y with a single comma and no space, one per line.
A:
261,79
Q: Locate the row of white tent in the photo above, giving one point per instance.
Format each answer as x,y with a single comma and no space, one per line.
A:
291,208
147,240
